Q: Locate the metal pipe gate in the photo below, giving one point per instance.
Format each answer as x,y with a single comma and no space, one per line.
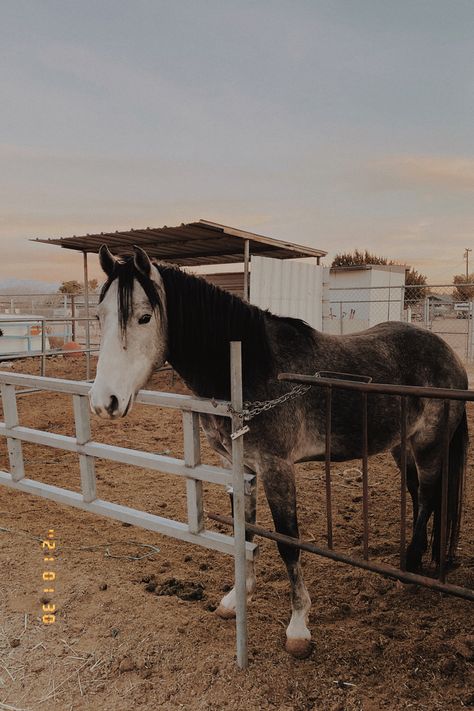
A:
365,388
190,468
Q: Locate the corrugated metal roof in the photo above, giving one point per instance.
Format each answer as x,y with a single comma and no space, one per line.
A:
190,244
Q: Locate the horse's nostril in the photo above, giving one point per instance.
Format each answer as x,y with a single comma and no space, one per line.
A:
113,405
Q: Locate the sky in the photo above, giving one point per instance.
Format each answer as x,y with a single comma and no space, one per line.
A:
332,123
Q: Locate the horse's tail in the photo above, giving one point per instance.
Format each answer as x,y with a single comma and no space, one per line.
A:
456,473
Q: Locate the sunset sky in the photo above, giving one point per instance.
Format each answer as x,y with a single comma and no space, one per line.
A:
332,123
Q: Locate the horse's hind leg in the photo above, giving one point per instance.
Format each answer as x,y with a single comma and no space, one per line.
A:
427,458
279,483
412,476
228,603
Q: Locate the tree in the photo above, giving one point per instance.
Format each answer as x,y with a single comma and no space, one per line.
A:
75,287
464,292
358,258
419,291
70,287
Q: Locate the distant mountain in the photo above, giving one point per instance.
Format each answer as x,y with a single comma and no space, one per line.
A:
26,286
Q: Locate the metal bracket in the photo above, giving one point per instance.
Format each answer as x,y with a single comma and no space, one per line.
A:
241,431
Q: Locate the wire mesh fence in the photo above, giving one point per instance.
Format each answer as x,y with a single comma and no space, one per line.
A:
444,309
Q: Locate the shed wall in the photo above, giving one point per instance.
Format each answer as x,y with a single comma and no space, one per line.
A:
288,288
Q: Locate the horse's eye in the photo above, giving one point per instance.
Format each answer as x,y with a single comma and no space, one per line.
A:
144,319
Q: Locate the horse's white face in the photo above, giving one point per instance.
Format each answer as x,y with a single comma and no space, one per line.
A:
127,355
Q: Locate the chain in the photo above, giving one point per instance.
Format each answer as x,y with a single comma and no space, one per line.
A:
252,409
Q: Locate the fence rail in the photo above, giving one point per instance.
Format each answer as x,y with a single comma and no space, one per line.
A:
40,324
190,468
73,310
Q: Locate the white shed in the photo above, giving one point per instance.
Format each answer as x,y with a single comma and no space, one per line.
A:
362,296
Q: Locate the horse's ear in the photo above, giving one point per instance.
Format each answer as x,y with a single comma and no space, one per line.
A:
141,260
107,260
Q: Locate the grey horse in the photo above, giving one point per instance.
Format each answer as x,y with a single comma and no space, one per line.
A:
151,313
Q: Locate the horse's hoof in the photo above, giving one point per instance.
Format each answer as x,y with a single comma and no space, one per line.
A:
226,613
299,648
413,561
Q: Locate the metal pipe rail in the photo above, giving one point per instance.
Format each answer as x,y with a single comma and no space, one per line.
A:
381,388
402,392
43,353
381,568
190,468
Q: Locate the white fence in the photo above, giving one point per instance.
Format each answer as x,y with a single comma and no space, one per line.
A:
191,468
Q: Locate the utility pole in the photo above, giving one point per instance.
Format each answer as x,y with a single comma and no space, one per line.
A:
466,257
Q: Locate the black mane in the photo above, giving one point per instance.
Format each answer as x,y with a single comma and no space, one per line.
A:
202,320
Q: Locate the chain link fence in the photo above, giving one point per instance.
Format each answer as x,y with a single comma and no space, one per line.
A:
444,309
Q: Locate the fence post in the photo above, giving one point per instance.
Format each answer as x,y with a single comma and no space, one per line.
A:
43,348
427,312
470,332
325,300
10,413
192,457
73,316
238,485
88,325
83,435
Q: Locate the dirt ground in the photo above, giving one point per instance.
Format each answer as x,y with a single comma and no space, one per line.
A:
118,644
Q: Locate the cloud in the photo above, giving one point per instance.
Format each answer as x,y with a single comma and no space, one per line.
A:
451,174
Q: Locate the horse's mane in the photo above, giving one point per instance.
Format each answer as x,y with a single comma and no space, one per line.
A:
202,319
126,273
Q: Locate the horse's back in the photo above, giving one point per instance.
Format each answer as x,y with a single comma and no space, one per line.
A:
396,352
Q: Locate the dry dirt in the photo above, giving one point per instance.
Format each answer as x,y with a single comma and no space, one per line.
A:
142,634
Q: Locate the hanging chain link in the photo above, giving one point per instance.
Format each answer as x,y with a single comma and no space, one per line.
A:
252,409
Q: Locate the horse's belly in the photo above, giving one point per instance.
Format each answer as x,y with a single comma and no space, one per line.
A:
345,448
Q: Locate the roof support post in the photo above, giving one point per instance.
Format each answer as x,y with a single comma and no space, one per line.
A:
88,332
246,270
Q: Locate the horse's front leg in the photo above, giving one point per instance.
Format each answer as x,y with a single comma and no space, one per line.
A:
279,483
228,603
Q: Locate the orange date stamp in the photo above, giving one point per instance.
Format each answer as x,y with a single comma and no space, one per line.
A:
49,577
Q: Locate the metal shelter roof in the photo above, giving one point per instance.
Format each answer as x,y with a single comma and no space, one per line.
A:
190,244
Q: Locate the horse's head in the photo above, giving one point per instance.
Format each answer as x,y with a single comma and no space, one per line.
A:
132,315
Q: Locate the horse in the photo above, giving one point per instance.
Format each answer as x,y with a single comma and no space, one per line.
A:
151,312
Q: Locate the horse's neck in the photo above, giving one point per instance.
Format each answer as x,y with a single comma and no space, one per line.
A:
202,320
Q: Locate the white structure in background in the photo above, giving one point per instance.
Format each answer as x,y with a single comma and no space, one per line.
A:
361,297
21,334
288,288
